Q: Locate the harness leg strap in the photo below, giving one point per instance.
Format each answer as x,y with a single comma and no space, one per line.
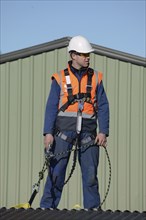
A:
84,141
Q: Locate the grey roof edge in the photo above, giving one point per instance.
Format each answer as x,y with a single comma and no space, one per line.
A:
63,42
118,55
38,49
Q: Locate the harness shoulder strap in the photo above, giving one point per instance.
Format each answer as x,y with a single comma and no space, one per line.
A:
89,81
68,82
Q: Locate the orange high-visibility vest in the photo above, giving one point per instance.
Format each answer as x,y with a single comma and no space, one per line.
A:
77,88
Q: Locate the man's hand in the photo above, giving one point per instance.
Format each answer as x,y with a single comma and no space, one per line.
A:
48,140
101,139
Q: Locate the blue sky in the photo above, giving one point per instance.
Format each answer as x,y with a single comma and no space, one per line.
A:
116,24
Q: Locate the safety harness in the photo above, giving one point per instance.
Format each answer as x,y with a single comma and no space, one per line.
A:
81,98
84,97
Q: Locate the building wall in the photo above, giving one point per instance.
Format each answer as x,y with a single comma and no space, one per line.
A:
24,87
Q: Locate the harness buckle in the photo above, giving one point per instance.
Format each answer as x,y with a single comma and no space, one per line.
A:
81,104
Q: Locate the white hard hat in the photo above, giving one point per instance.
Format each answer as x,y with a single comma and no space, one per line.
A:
80,44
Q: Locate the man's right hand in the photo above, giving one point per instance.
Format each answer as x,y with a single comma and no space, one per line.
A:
48,140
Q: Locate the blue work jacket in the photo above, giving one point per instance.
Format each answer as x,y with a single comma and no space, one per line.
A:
53,103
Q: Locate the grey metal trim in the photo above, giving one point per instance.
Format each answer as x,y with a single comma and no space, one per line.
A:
63,42
34,50
122,56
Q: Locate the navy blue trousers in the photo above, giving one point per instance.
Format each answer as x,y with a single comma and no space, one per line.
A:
88,160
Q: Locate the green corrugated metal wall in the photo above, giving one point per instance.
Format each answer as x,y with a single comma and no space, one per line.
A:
24,87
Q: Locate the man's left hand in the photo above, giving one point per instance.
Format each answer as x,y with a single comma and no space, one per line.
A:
101,139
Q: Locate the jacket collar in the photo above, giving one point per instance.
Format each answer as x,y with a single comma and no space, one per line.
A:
78,73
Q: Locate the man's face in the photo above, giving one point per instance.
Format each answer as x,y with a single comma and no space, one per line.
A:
81,59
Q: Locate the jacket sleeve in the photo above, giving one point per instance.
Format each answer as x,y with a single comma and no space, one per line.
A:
103,110
51,108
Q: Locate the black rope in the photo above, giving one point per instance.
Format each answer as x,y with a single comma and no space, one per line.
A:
74,164
109,180
46,164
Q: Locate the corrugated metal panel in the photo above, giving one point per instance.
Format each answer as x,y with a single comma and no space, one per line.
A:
65,214
25,84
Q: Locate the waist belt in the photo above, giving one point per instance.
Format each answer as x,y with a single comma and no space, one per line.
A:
87,140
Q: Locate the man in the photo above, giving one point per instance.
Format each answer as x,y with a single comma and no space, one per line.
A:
76,104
